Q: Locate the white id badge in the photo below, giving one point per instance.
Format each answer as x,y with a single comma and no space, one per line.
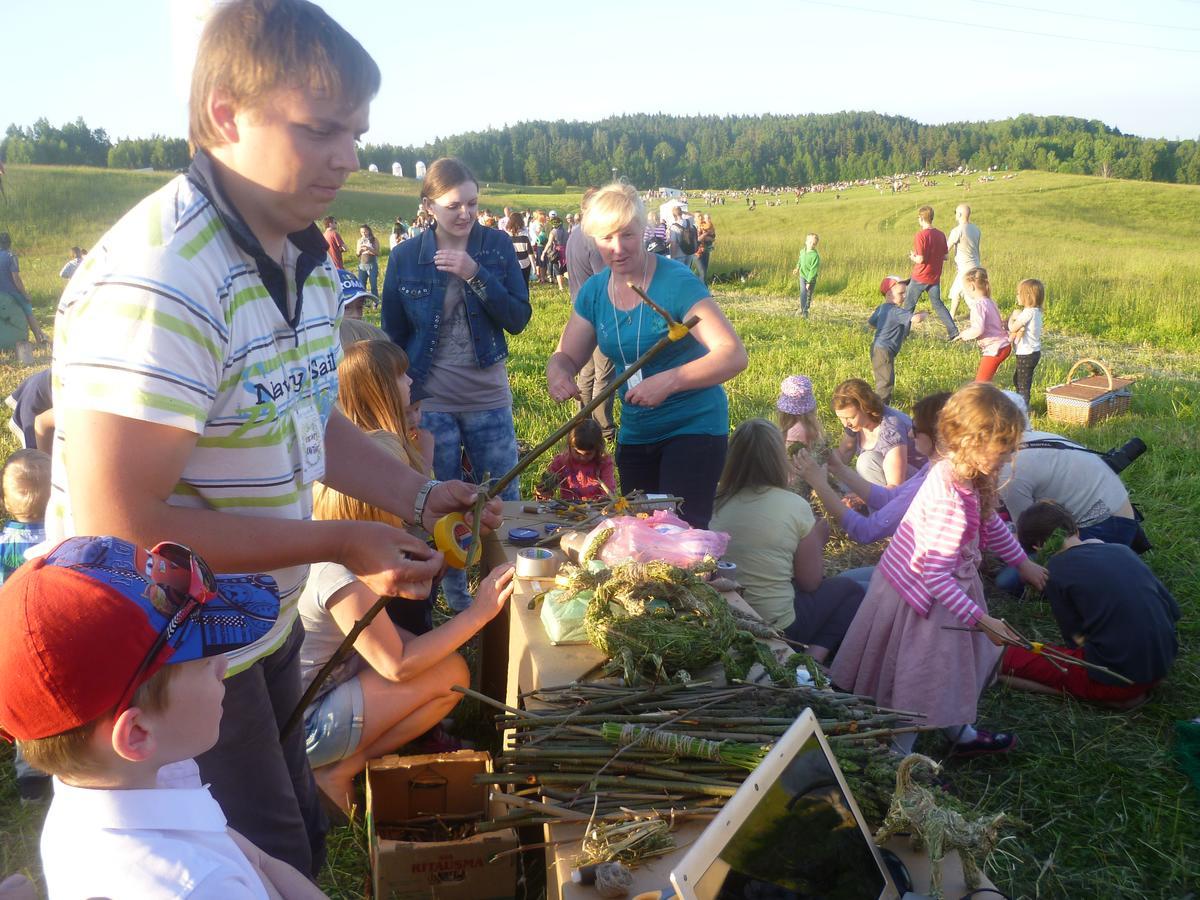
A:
311,436
634,380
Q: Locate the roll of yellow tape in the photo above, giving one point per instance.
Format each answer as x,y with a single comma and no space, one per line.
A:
452,536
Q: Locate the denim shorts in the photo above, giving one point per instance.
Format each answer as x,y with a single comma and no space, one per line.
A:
333,725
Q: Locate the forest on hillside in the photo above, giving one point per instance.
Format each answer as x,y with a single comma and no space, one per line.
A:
703,151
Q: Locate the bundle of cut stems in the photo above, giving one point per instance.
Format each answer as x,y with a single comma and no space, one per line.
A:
686,747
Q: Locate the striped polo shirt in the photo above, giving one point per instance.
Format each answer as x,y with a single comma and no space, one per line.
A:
170,321
921,561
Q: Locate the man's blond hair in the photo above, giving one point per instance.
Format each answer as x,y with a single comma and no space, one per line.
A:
25,484
252,48
71,755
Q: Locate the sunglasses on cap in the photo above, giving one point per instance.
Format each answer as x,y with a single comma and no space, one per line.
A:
189,583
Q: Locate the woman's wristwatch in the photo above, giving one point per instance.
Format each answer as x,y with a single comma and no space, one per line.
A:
421,501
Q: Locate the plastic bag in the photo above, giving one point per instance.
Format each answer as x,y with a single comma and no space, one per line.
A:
662,537
562,616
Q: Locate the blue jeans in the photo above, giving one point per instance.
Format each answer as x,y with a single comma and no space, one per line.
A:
490,441
702,265
806,292
913,294
371,270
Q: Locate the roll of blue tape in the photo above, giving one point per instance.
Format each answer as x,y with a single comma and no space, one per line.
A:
523,536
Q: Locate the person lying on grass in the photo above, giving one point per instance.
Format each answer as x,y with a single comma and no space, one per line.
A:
396,685
1112,610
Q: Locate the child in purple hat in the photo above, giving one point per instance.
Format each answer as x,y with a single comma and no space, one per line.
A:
796,414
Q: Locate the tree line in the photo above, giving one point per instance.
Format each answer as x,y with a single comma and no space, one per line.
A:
654,150
75,144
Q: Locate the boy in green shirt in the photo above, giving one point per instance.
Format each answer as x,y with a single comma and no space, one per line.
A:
808,266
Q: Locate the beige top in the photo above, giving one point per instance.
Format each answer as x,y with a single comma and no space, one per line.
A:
964,241
765,526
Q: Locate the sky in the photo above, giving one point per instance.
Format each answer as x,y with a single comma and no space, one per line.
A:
469,65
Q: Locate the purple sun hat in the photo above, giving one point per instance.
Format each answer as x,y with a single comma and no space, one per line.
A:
796,396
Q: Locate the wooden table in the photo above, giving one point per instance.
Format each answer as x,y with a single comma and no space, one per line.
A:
531,661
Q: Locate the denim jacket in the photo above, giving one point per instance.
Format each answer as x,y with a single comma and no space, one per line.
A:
414,292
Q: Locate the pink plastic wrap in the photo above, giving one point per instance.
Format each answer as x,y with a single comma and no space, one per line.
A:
662,537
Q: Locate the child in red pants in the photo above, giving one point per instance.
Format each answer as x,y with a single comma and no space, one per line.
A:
986,328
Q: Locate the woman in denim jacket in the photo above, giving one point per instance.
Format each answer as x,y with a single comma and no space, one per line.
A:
448,297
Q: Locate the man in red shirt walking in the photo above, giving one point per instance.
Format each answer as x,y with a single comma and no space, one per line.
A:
337,247
928,253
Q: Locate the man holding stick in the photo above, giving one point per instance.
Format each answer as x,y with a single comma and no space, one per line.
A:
195,371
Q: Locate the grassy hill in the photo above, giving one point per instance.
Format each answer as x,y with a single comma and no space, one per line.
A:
1109,812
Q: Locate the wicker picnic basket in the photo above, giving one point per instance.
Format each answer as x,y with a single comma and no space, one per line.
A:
1085,401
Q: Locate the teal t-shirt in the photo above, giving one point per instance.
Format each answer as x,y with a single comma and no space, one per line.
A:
624,336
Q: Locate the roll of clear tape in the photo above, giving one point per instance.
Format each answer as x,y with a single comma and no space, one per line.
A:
537,562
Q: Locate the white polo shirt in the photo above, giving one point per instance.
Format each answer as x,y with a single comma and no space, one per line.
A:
163,843
169,321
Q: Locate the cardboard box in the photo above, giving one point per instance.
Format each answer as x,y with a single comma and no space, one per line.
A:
402,788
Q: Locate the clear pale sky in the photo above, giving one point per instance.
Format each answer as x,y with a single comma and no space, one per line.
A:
472,64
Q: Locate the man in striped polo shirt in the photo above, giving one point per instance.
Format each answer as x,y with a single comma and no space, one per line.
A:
195,374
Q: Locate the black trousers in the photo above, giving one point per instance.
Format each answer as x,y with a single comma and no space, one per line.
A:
1023,376
687,466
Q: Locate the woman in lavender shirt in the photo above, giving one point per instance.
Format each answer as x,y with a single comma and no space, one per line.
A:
886,506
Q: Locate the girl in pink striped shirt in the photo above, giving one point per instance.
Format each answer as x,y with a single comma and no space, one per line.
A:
897,649
986,328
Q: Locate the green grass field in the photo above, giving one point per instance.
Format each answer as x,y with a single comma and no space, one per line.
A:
1109,813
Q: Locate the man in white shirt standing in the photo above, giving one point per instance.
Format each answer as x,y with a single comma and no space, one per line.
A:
963,242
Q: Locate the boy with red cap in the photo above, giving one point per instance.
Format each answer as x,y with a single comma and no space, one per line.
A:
892,321
112,662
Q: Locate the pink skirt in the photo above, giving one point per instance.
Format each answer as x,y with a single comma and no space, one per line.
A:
908,661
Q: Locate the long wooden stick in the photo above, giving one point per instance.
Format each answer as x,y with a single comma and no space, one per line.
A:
588,408
493,490
340,654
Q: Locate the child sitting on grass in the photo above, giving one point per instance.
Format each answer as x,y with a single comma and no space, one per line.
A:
796,415
111,678
584,471
1112,611
396,685
25,484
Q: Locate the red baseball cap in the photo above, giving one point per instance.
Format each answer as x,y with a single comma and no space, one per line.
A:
77,624
888,283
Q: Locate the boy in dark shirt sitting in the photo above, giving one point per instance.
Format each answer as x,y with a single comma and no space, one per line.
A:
1112,610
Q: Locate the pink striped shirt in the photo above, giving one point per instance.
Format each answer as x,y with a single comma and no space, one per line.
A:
922,557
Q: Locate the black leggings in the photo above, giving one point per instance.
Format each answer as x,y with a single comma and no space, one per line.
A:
1023,376
687,466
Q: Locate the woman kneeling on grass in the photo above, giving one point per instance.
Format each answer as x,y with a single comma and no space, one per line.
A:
778,545
885,506
876,433
395,686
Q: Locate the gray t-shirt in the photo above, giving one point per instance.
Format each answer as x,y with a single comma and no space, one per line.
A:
583,261
322,636
455,382
1080,481
965,241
